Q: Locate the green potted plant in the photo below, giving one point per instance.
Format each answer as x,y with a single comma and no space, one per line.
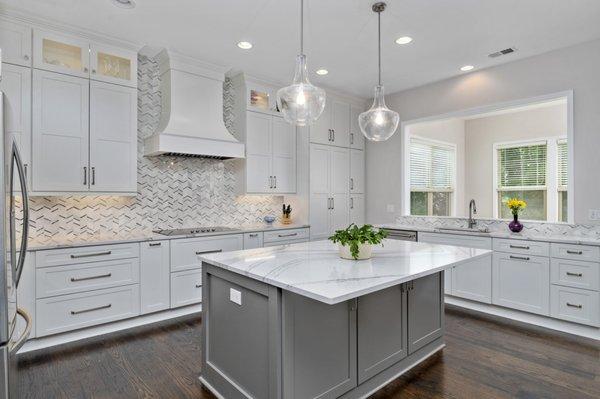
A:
357,242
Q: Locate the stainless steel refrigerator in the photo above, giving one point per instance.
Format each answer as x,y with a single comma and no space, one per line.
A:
13,248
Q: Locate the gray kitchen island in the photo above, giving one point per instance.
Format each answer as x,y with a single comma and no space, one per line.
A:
297,321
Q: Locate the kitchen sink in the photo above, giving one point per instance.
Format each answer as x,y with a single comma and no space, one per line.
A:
481,230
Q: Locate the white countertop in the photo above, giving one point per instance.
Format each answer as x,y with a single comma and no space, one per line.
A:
315,270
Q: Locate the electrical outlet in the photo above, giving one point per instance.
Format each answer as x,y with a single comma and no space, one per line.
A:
594,214
391,208
235,296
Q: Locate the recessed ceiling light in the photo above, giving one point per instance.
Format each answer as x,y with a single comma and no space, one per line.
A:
244,45
321,71
467,68
404,40
124,3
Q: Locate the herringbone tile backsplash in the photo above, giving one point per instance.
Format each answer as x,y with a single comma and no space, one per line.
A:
172,191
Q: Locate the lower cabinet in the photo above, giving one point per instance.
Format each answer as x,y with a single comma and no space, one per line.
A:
576,305
521,282
154,276
425,311
253,240
186,288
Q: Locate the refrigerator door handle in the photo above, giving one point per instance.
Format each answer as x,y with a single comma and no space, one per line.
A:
15,346
25,232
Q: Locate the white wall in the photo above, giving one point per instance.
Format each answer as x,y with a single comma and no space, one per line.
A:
450,131
575,68
482,133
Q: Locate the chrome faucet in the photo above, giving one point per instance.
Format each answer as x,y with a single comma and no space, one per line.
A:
472,210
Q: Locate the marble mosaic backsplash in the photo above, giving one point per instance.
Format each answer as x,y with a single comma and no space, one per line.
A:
172,191
534,228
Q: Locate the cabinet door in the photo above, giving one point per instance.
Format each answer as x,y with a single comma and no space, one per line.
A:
521,282
61,53
339,183
155,276
425,311
320,131
357,171
113,138
341,123
382,330
357,139
473,280
16,86
60,132
258,153
357,209
113,65
320,202
253,240
15,42
284,155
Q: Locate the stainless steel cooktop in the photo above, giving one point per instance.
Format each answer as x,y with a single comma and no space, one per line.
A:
194,231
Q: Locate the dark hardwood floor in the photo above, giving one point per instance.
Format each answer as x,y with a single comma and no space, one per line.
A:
484,358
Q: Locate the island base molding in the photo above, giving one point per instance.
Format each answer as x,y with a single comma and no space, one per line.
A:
261,341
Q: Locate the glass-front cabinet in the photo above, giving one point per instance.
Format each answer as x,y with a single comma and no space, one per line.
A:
113,65
61,53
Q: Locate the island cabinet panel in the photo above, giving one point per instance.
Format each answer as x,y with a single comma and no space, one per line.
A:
319,348
425,311
382,331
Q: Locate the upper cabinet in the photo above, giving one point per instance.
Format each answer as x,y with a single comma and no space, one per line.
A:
357,139
333,126
15,42
113,65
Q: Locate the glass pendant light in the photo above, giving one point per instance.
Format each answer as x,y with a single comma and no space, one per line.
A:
301,103
379,123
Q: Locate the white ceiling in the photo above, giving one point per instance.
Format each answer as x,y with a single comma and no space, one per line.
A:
340,34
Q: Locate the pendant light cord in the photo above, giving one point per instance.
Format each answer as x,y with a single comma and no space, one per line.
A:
301,26
379,41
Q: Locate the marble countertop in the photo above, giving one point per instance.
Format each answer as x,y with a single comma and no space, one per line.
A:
581,240
315,270
56,242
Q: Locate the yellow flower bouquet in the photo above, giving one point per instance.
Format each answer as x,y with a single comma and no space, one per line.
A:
515,205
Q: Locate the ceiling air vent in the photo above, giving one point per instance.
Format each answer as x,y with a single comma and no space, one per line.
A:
506,51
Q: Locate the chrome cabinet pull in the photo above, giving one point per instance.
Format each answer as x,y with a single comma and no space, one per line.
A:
519,257
91,254
574,252
333,134
572,305
25,166
275,180
208,252
93,71
351,203
74,279
574,274
287,235
85,69
93,175
155,244
26,57
332,203
198,285
253,235
351,138
85,175
519,246
74,312
351,183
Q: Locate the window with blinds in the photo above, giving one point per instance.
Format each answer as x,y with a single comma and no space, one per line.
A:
562,177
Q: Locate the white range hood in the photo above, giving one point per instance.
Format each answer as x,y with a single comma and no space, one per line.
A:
191,122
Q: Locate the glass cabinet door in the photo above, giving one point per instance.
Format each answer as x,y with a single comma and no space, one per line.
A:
113,65
61,53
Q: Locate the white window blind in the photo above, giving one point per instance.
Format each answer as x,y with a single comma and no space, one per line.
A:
522,166
431,166
562,163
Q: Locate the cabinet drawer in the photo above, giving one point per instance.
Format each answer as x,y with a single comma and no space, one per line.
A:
60,280
573,304
185,252
578,252
253,240
521,246
455,239
70,312
186,288
286,235
69,256
575,273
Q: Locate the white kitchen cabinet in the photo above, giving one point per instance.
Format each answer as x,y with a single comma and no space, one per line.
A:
357,139
357,209
576,305
155,276
286,235
521,282
357,171
253,240
16,86
284,155
15,42
320,130
57,52
113,65
113,138
333,126
185,252
329,200
186,288
60,138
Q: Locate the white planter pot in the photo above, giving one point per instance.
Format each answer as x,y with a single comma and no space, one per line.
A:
364,251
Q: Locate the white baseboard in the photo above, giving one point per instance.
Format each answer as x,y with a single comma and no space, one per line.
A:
73,336
542,321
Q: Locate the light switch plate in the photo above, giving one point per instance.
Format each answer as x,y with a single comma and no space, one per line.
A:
235,296
594,214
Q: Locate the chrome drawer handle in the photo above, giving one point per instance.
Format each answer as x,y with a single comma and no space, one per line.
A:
253,235
519,246
519,257
155,244
287,235
74,279
91,254
198,285
74,312
574,252
574,274
572,305
208,252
